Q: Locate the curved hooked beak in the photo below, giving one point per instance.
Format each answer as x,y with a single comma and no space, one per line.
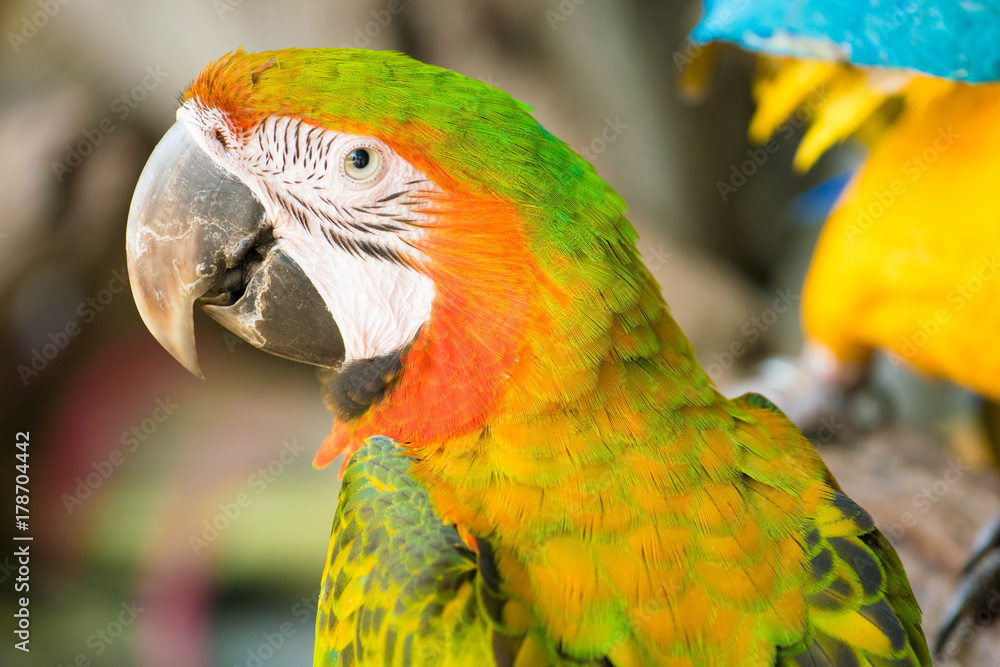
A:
196,234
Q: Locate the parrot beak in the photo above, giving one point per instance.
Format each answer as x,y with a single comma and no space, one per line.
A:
197,234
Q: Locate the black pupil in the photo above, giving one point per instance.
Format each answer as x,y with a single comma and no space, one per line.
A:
360,158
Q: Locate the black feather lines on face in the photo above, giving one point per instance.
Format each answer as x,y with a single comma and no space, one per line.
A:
308,147
356,229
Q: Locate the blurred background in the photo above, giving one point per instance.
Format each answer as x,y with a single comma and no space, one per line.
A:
178,522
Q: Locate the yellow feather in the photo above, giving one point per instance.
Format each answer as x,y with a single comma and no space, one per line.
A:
719,508
627,654
750,587
778,95
532,653
855,629
787,616
742,548
854,96
626,571
660,544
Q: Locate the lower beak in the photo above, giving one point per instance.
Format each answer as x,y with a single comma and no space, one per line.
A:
198,234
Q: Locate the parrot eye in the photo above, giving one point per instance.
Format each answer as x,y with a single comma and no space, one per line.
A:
363,165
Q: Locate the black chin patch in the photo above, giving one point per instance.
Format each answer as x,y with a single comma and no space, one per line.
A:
358,385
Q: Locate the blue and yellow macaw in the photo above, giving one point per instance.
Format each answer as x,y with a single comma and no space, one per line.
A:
907,260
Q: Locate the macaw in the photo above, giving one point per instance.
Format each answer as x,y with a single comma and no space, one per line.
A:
539,470
906,262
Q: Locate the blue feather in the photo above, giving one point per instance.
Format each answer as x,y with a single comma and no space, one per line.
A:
954,39
815,204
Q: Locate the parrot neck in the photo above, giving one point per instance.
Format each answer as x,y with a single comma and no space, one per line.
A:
521,368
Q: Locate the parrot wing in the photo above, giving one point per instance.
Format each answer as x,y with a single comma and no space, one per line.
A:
955,40
858,600
399,586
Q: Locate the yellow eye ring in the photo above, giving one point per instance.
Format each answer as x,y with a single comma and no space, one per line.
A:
362,165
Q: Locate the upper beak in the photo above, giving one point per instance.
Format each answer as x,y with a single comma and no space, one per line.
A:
197,233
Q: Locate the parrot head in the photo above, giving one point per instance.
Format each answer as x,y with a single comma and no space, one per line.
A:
369,214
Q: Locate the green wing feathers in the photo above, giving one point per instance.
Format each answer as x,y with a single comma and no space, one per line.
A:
398,588
860,607
401,588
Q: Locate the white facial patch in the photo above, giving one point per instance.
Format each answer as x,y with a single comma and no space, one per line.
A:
346,208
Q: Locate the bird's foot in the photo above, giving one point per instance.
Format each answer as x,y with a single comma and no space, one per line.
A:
976,602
